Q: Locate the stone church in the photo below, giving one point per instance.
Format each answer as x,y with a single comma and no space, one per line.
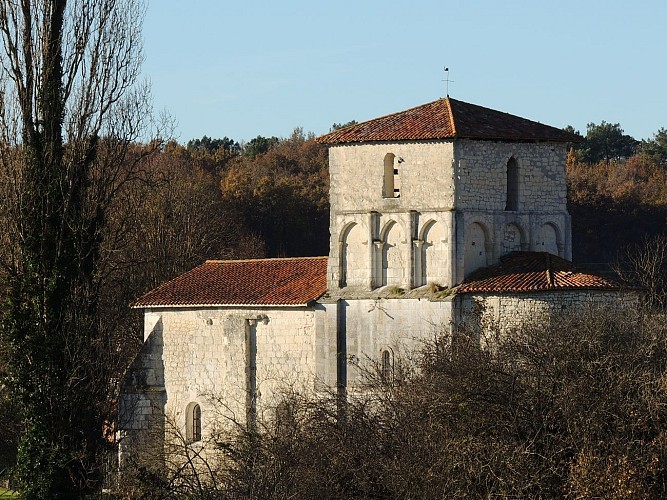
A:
439,213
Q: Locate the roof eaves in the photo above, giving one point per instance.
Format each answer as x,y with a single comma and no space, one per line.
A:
591,288
549,271
227,306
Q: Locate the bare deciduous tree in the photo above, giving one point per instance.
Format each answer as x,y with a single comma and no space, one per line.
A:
573,407
646,266
71,110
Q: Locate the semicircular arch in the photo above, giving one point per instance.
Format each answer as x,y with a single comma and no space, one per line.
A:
513,238
475,247
549,238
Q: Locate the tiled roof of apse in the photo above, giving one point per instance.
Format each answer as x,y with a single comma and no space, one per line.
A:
260,282
448,119
533,272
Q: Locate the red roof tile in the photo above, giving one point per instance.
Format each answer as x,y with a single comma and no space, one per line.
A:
260,282
531,272
448,119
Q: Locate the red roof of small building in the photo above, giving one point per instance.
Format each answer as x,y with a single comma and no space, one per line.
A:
533,272
448,119
258,282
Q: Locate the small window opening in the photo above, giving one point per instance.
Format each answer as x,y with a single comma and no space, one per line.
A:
193,423
391,187
512,186
386,368
285,418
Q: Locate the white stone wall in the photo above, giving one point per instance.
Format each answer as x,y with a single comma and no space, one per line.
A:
357,176
393,249
509,311
400,325
200,355
377,241
462,186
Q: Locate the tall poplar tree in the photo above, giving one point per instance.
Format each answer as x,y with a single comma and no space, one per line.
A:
71,112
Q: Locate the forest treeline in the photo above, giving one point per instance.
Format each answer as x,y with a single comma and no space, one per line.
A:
214,198
273,191
617,192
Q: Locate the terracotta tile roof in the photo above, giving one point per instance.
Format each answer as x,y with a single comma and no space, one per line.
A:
533,272
448,119
261,282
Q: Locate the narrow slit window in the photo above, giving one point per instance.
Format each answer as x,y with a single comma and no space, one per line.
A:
388,188
512,186
391,184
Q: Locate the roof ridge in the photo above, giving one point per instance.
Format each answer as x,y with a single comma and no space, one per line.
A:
357,126
264,259
549,271
464,121
450,112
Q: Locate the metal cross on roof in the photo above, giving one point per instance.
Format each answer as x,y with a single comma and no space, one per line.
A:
447,80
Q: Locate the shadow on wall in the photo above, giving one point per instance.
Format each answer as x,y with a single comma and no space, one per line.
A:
142,404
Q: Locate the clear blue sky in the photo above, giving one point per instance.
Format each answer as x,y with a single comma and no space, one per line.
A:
242,69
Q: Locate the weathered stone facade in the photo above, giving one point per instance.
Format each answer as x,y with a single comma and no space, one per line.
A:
359,330
450,215
509,311
199,353
233,361
403,240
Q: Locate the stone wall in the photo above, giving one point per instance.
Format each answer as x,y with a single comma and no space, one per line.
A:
481,175
425,170
485,230
370,326
380,240
459,189
394,249
506,312
204,356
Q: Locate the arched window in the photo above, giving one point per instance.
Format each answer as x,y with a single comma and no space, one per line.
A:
390,188
386,366
512,186
434,256
393,270
193,423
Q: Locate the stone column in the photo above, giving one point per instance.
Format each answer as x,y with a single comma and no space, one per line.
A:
251,372
418,271
378,247
342,272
